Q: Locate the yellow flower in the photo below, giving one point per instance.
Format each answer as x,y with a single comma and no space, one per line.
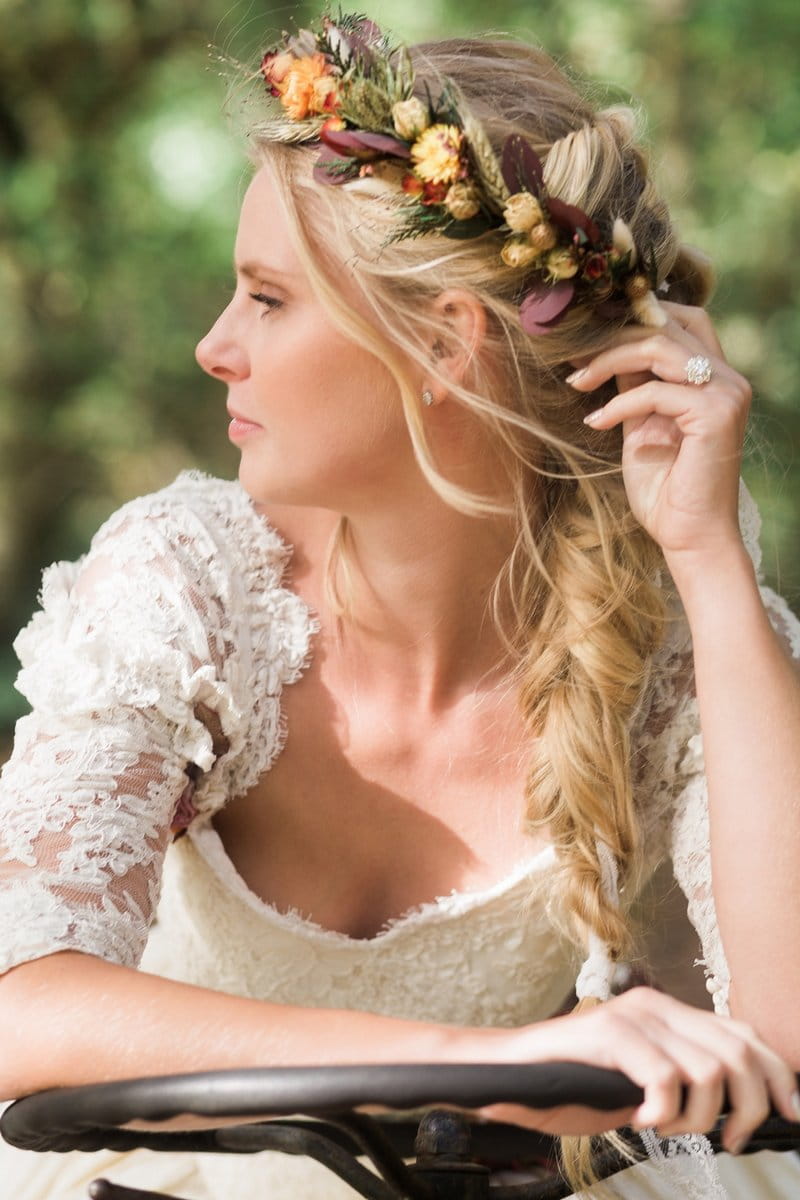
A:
437,154
308,88
518,252
462,201
522,212
561,264
410,118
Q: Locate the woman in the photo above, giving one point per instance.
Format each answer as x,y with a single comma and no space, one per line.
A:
423,780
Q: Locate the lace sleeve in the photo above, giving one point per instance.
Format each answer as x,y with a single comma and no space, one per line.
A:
690,840
120,664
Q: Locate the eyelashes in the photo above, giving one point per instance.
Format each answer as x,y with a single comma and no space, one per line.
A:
270,302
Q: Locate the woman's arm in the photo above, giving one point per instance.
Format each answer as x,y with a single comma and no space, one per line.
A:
78,1019
681,462
749,699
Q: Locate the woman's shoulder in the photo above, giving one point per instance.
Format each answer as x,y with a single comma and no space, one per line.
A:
179,601
198,519
193,564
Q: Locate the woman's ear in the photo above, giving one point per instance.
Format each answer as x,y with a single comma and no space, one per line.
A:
453,348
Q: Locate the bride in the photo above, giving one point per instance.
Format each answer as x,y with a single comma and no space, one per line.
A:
368,756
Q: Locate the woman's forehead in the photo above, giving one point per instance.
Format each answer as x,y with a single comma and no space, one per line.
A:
263,239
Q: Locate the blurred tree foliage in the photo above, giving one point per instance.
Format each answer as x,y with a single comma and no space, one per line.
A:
119,187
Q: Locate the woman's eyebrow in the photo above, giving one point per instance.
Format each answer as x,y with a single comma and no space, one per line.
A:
257,270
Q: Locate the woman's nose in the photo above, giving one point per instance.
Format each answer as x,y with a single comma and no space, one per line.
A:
220,354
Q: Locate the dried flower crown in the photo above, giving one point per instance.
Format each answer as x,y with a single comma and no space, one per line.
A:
348,89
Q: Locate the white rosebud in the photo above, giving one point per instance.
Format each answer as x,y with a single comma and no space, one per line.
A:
462,201
561,264
543,237
411,118
522,212
518,253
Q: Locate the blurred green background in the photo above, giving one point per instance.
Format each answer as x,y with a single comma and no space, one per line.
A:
119,190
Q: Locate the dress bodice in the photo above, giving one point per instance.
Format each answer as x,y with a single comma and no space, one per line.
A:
484,958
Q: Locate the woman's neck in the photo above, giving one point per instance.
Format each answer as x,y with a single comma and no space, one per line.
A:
419,585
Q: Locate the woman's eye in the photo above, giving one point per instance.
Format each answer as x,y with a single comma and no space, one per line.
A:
270,302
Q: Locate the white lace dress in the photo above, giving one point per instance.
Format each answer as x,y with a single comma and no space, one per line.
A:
180,609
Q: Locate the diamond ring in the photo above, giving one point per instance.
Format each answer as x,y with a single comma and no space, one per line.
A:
698,370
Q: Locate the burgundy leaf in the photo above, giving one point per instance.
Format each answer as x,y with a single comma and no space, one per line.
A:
364,39
368,30
544,306
522,168
331,167
358,143
572,218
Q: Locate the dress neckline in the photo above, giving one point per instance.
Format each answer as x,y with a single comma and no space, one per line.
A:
451,906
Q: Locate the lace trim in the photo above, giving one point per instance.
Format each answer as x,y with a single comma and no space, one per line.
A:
689,1162
275,630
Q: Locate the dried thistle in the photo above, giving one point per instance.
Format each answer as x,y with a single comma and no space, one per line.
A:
622,241
366,105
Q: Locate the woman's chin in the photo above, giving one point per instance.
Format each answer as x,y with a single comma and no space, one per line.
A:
271,485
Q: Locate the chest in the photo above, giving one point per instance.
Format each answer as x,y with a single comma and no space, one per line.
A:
368,813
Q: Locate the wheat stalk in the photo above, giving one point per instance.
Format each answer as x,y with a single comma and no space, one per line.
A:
491,176
284,130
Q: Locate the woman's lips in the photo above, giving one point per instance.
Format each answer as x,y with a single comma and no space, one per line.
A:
241,427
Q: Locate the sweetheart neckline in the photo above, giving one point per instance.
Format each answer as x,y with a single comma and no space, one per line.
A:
209,845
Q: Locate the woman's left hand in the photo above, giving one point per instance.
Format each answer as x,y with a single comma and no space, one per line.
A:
682,442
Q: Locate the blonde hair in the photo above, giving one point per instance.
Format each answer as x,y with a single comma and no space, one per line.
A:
581,586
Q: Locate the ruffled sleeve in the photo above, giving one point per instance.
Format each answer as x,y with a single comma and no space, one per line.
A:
153,669
678,758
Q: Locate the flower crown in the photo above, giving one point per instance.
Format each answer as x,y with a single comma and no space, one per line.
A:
346,88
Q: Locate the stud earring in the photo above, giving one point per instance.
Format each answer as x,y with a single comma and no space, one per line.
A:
427,397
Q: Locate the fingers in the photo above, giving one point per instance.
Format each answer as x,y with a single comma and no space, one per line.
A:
724,409
748,1097
713,1057
691,1065
757,1081
682,442
703,1078
661,354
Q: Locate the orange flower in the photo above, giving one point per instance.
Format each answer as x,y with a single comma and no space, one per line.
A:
308,88
274,67
434,193
426,193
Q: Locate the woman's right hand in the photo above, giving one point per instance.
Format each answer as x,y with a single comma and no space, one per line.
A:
665,1046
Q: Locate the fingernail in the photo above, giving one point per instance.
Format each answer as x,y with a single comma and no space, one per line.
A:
593,416
794,1100
577,376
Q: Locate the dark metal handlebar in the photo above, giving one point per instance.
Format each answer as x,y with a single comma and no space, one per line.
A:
95,1116
71,1118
